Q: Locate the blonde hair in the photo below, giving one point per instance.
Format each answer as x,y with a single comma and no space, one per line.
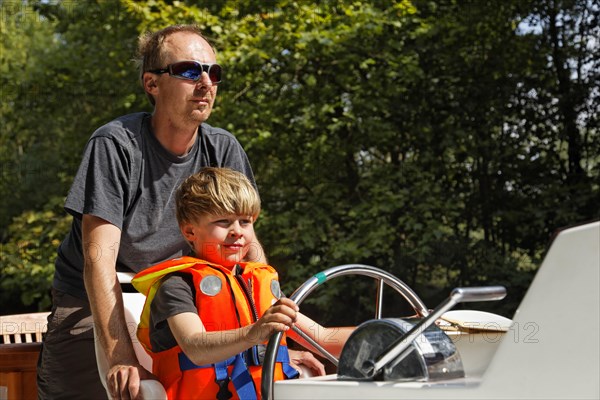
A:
150,53
216,191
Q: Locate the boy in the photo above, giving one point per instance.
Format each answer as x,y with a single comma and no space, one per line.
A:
206,318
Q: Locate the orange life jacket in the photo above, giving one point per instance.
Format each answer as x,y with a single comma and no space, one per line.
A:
225,300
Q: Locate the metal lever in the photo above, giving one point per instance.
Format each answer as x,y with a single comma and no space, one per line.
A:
401,348
316,345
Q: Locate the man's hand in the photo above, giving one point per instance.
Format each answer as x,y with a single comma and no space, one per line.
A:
124,381
306,360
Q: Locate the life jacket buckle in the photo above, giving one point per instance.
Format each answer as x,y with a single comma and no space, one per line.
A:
224,393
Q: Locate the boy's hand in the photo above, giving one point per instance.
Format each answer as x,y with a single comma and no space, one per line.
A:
278,318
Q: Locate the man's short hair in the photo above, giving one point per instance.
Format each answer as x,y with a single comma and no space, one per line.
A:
216,191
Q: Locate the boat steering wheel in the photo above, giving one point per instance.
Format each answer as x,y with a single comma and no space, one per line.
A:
267,383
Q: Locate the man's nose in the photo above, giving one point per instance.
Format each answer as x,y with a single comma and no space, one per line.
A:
204,80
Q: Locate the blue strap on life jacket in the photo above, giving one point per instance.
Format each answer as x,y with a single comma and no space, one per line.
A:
284,358
242,381
254,356
240,376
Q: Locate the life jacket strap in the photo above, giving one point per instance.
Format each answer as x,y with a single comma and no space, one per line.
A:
242,381
283,356
240,376
255,355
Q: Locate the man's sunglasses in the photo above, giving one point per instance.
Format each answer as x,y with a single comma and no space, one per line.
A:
192,71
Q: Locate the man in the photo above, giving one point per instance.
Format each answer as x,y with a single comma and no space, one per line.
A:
122,202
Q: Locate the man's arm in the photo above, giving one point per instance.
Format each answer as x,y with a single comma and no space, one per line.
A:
100,248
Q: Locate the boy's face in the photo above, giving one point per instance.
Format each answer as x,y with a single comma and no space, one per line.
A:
221,239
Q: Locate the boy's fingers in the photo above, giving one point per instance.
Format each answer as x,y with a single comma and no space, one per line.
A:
284,310
289,303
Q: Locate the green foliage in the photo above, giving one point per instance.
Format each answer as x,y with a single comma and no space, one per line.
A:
67,68
157,14
26,260
26,40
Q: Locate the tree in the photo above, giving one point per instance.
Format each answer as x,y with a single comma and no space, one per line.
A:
26,42
66,69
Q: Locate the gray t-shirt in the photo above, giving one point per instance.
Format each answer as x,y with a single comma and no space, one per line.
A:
175,295
127,178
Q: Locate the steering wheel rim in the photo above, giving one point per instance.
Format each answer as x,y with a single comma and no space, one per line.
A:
267,382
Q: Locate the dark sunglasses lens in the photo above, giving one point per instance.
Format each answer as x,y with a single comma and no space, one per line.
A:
214,73
193,71
187,70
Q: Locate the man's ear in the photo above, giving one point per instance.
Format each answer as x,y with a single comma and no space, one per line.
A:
187,230
149,82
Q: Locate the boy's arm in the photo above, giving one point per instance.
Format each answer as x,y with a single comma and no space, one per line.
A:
203,347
